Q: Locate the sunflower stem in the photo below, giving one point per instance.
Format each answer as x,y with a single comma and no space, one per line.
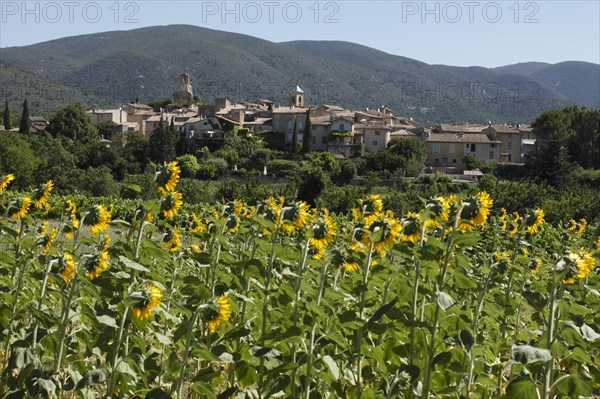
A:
297,287
551,322
64,322
265,308
311,344
186,352
359,332
115,356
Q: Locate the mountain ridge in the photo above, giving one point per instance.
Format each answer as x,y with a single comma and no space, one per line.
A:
111,68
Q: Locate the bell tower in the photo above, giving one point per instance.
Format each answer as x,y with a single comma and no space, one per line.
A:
297,97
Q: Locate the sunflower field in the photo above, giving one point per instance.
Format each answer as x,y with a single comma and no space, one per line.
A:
279,300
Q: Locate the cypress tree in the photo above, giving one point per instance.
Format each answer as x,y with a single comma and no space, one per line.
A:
25,121
307,136
294,148
6,116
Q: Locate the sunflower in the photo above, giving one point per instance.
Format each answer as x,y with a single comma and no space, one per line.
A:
502,219
71,208
105,242
172,241
96,264
295,216
384,231
48,240
572,225
195,224
171,204
219,312
66,267
20,208
581,226
439,211
411,227
323,232
42,193
167,177
149,298
43,229
233,223
196,248
475,211
580,265
350,266
534,220
370,208
97,217
234,208
515,223
534,265
6,181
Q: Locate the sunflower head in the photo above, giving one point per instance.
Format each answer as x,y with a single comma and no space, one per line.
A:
411,227
147,299
96,264
170,204
19,208
370,208
42,193
217,313
48,240
167,177
533,220
323,230
6,181
384,231
295,216
475,211
534,265
233,223
172,241
439,210
66,267
578,265
97,217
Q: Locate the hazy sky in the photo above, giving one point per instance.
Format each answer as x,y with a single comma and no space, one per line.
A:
462,33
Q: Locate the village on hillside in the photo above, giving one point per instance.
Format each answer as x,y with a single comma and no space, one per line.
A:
342,132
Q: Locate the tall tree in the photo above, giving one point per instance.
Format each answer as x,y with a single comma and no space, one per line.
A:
7,116
25,120
554,162
73,122
161,146
294,148
307,137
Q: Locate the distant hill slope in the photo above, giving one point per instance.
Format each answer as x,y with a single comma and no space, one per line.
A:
112,68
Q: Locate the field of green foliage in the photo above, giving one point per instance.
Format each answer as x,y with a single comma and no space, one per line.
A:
457,299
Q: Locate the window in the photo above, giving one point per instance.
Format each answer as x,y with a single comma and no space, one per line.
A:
300,125
324,140
377,132
436,148
509,144
314,140
492,145
277,125
289,125
453,160
452,148
444,161
473,147
375,142
342,126
491,154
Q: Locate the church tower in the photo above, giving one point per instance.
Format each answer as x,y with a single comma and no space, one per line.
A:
185,92
297,97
